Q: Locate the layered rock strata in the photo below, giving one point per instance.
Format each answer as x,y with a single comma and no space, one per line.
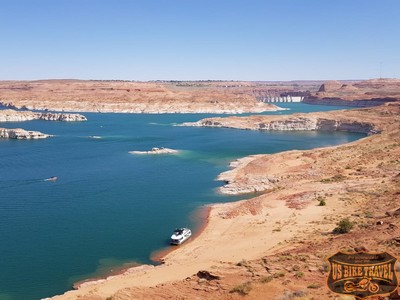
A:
10,115
354,103
125,97
21,134
297,122
365,93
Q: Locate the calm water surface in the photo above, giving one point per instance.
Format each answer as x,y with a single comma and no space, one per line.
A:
110,207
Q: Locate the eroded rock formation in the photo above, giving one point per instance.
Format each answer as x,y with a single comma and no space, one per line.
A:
365,93
21,134
10,115
297,122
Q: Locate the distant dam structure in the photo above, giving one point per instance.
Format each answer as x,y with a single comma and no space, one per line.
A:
274,96
272,99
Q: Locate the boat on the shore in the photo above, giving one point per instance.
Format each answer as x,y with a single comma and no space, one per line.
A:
180,235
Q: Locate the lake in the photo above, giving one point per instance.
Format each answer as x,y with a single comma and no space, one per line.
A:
108,207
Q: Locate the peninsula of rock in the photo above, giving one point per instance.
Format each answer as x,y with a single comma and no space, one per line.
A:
329,121
21,134
9,115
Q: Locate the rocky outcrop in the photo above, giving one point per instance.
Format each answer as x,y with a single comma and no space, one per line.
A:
62,117
251,184
10,115
329,86
365,93
289,123
156,150
21,134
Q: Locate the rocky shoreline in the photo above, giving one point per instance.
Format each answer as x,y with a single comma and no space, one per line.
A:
340,102
22,134
10,115
280,237
347,120
341,121
283,221
278,240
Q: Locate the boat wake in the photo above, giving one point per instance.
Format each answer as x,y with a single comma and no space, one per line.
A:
16,183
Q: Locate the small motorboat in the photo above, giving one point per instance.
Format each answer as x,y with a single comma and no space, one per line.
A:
180,235
53,178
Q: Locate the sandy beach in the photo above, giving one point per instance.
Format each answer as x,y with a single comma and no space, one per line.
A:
287,216
227,238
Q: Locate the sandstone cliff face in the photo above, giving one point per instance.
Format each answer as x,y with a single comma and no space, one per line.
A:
289,123
19,116
21,134
366,93
125,97
61,117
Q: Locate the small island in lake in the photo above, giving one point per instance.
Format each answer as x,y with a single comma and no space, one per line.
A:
21,134
156,150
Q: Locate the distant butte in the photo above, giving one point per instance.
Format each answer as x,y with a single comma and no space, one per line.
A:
361,94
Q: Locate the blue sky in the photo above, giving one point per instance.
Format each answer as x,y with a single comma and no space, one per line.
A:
199,39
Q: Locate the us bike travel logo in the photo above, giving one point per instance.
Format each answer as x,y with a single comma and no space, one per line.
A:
362,274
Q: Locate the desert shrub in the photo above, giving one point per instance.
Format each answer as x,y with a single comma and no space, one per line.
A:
344,226
314,286
299,274
296,268
242,289
369,214
266,279
336,178
289,295
280,274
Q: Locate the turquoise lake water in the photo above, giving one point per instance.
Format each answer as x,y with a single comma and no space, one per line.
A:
110,207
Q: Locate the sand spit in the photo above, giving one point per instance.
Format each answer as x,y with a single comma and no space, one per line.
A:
276,243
